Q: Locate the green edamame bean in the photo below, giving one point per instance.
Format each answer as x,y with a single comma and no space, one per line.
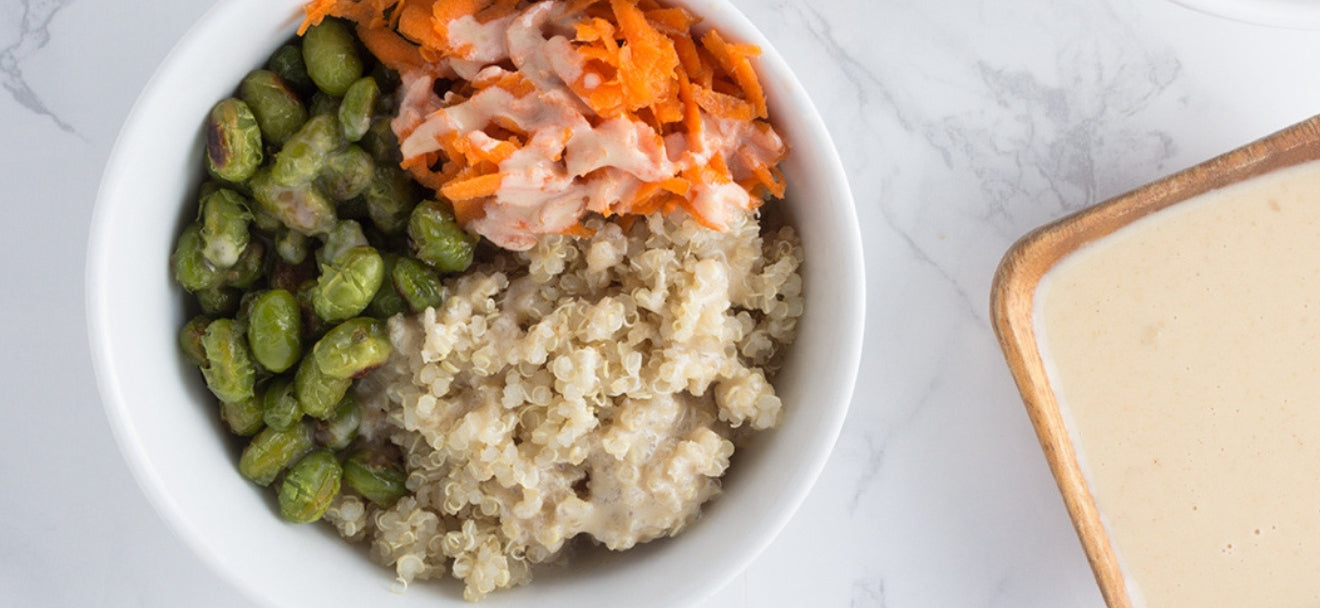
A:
356,109
191,270
229,370
418,284
438,240
249,268
341,428
244,418
291,246
347,173
287,62
331,57
190,339
261,218
313,325
224,218
303,156
324,105
375,478
347,285
390,198
277,108
300,207
233,141
218,301
271,451
318,394
275,330
381,143
310,487
279,405
387,302
388,80
346,235
353,348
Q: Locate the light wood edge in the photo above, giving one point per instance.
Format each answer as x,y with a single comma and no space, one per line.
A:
1012,301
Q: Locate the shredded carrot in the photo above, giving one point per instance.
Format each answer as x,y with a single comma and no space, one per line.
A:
466,210
415,23
390,48
498,10
647,65
476,187
722,105
579,230
632,59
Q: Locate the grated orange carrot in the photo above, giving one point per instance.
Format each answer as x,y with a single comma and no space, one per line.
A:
475,187
722,105
390,48
632,59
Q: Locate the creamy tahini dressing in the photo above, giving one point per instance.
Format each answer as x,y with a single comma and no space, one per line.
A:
1185,349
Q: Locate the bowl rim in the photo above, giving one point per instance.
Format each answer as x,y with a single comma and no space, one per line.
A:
107,370
1286,14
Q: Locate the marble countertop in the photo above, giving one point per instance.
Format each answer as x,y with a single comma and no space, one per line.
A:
962,124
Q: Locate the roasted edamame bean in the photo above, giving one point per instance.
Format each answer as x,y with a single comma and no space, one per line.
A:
317,393
356,109
341,428
244,418
291,245
347,285
233,141
300,207
331,57
375,478
249,268
309,487
277,108
303,157
353,348
190,339
418,284
344,236
287,62
324,105
218,301
438,240
381,143
229,370
191,270
224,218
274,330
387,302
279,405
390,198
347,173
271,451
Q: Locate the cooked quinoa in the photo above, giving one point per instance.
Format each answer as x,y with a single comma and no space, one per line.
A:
589,386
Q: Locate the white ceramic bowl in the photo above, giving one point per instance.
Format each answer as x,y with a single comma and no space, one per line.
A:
1293,14
166,422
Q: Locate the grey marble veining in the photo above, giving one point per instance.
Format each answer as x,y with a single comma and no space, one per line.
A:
33,35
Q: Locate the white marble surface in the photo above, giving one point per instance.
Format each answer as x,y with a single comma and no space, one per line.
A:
962,123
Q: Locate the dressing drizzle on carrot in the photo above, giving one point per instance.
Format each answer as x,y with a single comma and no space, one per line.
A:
560,108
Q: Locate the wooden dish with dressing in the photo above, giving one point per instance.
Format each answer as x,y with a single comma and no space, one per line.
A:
1167,347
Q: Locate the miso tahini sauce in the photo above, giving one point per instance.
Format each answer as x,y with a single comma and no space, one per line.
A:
1185,350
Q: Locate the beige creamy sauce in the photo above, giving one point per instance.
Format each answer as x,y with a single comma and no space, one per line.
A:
1185,349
